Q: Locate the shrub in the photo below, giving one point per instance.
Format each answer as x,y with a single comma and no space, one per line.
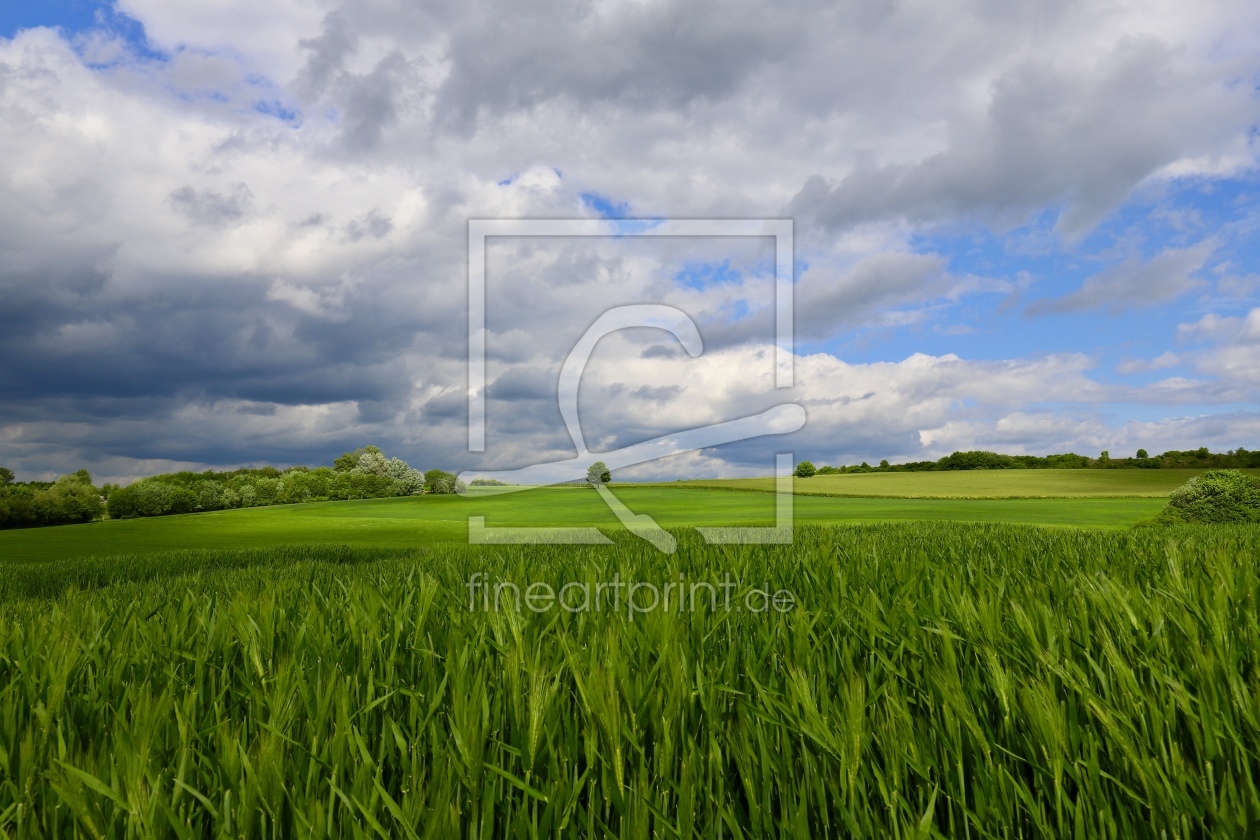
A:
441,482
804,470
1218,496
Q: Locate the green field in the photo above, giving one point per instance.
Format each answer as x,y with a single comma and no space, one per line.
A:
931,680
325,670
979,484
426,520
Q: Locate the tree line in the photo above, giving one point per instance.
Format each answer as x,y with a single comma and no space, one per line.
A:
364,473
29,504
1200,458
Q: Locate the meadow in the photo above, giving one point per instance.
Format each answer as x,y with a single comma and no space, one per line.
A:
932,679
410,522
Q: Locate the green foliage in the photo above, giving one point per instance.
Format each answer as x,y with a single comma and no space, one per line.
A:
350,460
597,473
6,476
1218,496
488,482
441,482
363,474
68,500
934,680
976,460
804,470
982,460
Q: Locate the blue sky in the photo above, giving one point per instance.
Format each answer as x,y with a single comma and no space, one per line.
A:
236,233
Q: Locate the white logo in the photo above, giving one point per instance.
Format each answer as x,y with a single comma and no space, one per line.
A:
781,419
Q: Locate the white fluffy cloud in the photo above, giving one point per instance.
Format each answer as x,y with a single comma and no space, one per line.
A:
254,248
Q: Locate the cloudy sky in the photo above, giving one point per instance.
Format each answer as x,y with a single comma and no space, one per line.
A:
235,232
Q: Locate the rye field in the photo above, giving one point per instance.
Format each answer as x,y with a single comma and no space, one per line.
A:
247,674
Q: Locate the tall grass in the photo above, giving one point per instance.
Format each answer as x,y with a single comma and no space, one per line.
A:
934,680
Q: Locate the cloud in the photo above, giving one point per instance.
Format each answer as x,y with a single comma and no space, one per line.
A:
1164,360
249,242
1081,136
210,208
1232,353
1133,284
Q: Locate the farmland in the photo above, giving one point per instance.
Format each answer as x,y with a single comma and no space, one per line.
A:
932,680
979,484
426,520
327,670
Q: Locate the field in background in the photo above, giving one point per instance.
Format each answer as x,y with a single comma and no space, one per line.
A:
934,680
977,484
430,520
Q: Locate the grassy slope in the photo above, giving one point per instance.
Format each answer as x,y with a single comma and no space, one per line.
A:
428,520
977,484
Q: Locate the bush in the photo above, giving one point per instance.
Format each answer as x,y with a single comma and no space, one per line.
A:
1218,496
804,470
441,482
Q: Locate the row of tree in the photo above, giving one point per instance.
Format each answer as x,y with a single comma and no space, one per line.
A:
362,474
71,498
981,460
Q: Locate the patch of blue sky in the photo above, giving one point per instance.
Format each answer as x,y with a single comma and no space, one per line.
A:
700,274
1038,263
605,207
77,18
617,212
72,16
279,110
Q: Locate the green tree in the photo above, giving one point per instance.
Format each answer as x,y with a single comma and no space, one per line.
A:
6,476
804,469
1141,453
441,482
350,460
597,473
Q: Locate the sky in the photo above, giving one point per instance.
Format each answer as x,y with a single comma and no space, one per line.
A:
235,233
